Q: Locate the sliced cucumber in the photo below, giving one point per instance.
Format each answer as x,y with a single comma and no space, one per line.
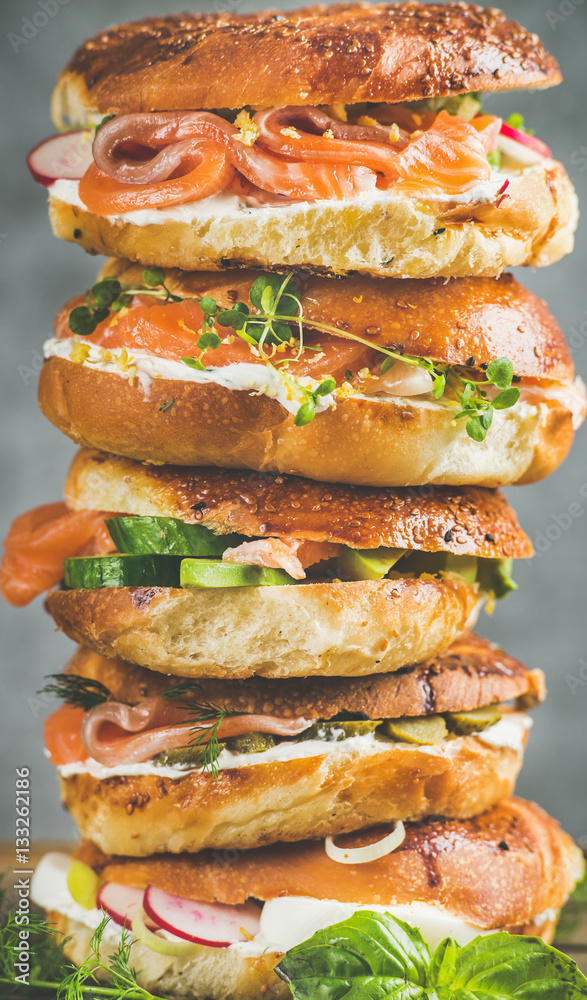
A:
215,573
168,536
91,573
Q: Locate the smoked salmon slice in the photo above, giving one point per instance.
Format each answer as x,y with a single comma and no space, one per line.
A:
38,542
171,330
450,157
197,154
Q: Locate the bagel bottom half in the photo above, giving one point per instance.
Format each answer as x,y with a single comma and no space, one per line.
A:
363,441
387,235
511,868
346,788
336,628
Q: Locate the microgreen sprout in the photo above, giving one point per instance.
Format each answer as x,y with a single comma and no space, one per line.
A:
274,321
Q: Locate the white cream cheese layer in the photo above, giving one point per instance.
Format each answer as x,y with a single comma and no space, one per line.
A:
226,207
254,378
285,921
508,732
258,379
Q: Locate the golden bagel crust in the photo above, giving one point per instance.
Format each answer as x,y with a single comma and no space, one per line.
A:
478,318
400,52
471,673
330,628
460,865
289,800
387,236
465,520
362,442
217,973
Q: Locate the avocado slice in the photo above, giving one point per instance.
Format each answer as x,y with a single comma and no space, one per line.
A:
418,563
495,577
422,731
215,573
474,721
368,564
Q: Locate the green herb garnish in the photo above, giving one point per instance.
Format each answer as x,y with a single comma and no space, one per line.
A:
277,322
81,692
51,976
374,956
206,719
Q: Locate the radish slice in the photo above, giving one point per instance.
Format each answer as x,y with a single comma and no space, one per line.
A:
520,146
213,924
120,902
66,155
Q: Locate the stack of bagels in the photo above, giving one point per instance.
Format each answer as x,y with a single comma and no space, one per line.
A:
298,383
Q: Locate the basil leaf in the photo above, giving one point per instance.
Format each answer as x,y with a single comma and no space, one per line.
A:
500,372
506,398
370,956
512,966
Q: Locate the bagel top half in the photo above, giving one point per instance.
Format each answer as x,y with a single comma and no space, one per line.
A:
471,674
400,52
125,389
498,870
462,520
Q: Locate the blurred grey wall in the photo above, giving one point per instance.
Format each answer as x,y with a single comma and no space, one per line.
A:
544,623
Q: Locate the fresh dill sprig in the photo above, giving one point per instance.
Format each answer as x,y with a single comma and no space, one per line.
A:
81,692
270,328
86,693
50,975
206,735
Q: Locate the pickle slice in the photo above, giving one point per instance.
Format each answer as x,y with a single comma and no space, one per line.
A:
334,730
424,731
183,755
475,721
250,743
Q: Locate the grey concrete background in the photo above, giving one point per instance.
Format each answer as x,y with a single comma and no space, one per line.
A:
543,623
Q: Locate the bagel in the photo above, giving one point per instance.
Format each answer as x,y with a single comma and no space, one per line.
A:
330,626
380,440
386,235
276,795
330,223
458,871
346,629
204,60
